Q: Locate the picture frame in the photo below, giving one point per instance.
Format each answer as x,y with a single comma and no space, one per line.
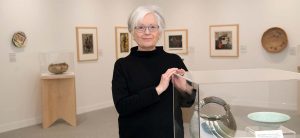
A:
224,40
176,41
87,43
123,41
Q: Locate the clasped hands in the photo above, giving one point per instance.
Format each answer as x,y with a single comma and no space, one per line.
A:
179,82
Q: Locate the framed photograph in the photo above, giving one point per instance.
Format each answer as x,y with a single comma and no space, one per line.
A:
123,41
224,40
87,43
176,41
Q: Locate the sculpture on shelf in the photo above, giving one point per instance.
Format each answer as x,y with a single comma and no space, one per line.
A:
58,68
221,125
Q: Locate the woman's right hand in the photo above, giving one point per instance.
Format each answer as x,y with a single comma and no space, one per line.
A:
165,80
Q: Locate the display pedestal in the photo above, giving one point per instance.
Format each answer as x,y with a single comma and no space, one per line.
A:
58,98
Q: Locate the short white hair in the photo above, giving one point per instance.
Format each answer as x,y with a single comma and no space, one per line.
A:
140,12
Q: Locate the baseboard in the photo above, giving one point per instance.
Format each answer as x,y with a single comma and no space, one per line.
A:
34,121
19,124
85,109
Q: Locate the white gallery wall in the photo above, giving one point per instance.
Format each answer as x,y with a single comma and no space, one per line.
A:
50,26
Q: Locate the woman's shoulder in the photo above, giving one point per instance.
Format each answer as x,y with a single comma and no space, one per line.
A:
122,60
172,55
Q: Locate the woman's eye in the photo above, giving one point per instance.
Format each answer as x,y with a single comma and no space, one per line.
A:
140,27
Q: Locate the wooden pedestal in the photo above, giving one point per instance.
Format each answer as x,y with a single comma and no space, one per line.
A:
58,98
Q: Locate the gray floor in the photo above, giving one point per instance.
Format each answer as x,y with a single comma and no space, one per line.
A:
103,124
97,124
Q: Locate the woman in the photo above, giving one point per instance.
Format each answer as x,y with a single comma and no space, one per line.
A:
141,87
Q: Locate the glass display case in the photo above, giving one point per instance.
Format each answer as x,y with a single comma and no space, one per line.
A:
237,103
52,63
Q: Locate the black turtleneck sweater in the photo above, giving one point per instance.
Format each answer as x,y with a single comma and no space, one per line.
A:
142,112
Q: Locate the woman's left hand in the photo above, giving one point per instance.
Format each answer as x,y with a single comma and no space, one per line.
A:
180,72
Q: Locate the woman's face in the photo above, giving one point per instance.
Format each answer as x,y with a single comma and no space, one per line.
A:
146,33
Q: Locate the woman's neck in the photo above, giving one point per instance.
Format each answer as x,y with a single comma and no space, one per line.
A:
146,48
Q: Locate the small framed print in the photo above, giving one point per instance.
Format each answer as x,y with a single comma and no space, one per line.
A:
123,41
224,40
176,41
87,43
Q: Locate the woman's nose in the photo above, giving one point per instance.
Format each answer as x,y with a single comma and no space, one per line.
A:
147,31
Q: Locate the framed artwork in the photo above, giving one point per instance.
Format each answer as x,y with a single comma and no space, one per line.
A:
123,41
176,41
87,43
224,40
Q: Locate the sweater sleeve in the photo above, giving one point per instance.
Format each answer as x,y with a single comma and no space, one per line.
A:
186,100
125,102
